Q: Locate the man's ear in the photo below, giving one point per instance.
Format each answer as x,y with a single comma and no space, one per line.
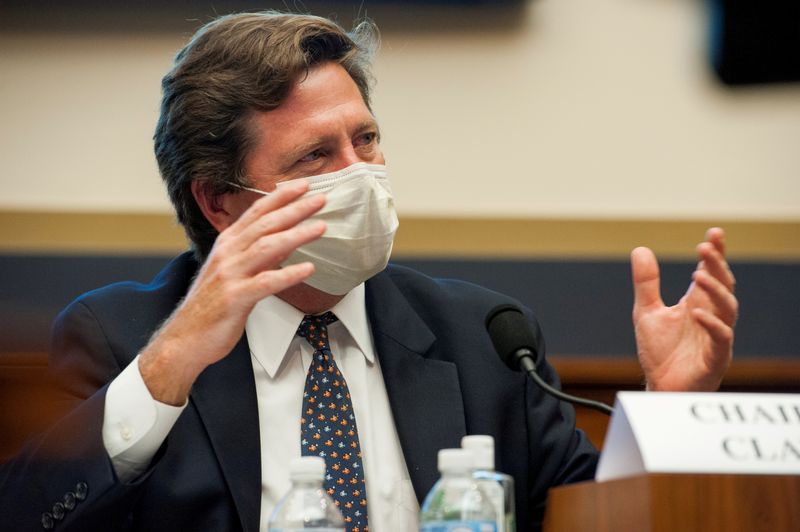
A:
217,208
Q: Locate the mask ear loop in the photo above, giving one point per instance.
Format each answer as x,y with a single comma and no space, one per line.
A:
249,189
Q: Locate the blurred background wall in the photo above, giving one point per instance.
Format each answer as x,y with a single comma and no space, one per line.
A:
531,145
546,108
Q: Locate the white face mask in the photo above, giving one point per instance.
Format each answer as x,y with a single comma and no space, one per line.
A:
361,223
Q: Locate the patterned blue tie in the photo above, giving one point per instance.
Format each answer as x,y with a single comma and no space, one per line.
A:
329,425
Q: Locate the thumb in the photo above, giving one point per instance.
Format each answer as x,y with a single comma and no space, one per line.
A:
646,279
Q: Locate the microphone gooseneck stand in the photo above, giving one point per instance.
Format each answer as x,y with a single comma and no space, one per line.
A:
516,343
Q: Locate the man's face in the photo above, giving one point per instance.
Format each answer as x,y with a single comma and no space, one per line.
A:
322,126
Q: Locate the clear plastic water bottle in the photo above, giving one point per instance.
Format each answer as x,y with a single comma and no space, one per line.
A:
456,503
306,507
498,486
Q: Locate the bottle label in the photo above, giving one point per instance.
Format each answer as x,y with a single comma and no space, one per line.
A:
459,526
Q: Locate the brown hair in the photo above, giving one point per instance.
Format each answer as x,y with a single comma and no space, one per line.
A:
232,67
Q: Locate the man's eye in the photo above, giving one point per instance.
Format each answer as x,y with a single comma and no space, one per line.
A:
366,138
313,156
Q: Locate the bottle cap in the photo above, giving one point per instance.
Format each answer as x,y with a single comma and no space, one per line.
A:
455,460
307,468
482,449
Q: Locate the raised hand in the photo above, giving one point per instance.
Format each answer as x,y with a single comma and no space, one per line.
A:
242,268
688,346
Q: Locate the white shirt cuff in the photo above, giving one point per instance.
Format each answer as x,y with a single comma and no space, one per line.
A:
134,424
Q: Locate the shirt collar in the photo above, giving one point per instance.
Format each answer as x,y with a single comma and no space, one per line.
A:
273,323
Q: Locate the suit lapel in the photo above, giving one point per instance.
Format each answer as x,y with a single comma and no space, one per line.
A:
225,397
424,393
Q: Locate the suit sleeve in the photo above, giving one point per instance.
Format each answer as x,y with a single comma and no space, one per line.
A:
63,479
560,453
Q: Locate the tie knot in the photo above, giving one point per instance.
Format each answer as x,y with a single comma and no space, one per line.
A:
315,328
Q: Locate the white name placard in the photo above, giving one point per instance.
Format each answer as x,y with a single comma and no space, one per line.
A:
702,433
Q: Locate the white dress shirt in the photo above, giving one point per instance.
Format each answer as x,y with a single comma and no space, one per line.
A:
135,424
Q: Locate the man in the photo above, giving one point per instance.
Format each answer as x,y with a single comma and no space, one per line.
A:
189,395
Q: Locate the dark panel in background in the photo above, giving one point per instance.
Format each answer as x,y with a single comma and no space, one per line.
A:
34,289
755,41
750,42
145,16
584,307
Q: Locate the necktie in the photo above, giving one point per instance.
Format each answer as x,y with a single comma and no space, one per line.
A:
329,425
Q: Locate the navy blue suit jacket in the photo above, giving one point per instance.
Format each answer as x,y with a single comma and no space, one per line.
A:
442,376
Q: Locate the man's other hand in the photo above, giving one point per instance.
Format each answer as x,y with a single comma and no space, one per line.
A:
689,346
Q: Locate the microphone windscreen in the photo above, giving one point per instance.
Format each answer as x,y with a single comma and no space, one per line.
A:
510,332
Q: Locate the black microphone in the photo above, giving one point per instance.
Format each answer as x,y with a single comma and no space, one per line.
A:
515,342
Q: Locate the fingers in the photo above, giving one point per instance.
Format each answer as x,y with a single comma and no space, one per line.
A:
646,279
713,261
268,231
280,219
271,282
716,236
283,195
269,251
721,334
725,303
